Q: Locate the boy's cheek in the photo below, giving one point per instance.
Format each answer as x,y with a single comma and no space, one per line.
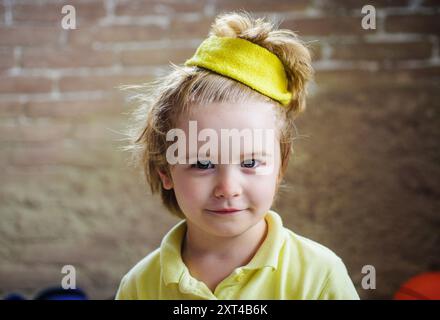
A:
193,191
264,188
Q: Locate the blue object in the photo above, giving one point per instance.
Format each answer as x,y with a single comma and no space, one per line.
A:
58,293
14,296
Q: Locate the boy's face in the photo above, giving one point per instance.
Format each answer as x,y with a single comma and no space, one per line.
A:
204,187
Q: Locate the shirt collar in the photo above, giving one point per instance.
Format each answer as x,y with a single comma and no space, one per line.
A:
173,267
171,261
268,253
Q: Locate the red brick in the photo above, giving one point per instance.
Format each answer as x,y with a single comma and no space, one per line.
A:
413,23
434,3
77,83
180,28
351,80
11,108
105,130
51,13
261,5
34,132
382,51
338,5
116,34
153,7
347,79
6,58
156,56
29,13
61,153
431,74
326,26
29,35
315,49
24,84
74,109
66,58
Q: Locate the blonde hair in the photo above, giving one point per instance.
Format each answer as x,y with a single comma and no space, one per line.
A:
163,100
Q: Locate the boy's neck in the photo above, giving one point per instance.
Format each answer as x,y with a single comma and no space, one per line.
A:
240,249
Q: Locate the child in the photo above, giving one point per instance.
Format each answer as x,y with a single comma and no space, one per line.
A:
230,244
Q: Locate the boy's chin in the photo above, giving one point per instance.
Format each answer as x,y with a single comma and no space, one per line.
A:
231,229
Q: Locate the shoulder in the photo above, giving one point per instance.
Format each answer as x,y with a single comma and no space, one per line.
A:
311,251
146,271
298,249
321,266
145,266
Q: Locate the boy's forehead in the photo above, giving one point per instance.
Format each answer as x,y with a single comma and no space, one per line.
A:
217,116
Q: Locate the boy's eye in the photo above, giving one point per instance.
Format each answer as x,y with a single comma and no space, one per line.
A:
249,163
204,164
201,164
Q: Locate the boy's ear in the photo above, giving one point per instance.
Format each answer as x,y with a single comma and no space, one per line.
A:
167,183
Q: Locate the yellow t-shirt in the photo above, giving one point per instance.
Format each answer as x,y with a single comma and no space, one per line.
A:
286,266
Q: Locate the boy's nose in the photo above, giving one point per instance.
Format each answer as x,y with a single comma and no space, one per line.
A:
227,185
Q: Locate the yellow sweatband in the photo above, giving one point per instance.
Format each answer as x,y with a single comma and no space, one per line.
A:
246,62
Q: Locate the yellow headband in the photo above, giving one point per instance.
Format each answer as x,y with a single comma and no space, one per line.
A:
246,62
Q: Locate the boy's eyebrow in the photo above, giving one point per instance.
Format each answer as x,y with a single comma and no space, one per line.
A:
260,153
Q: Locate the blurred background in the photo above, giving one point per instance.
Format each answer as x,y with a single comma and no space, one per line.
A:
364,181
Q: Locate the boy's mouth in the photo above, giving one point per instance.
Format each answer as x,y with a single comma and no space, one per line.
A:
226,210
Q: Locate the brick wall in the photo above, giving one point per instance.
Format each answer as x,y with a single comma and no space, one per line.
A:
364,181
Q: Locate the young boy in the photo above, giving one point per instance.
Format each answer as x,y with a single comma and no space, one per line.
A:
230,245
